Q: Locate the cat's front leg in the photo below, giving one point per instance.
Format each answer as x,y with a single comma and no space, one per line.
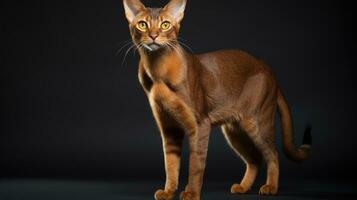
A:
198,152
172,144
163,100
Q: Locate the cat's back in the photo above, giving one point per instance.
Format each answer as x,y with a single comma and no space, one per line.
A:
233,62
231,69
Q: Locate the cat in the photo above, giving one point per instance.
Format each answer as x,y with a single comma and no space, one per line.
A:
189,94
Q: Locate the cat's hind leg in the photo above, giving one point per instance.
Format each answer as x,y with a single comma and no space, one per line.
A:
240,142
262,136
256,118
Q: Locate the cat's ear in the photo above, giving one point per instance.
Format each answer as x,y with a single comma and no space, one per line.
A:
176,9
132,8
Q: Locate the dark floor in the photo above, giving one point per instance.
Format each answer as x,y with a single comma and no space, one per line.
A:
99,190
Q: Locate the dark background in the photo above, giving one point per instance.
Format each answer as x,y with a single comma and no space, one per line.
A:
71,109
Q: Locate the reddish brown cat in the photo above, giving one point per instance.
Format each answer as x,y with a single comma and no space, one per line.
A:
190,93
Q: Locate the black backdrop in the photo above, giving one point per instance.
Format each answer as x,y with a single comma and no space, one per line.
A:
71,109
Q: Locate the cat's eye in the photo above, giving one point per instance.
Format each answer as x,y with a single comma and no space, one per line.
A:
142,25
165,25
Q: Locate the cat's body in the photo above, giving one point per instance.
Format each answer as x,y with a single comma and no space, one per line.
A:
190,93
212,84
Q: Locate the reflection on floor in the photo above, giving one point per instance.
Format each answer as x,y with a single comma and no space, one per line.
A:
32,189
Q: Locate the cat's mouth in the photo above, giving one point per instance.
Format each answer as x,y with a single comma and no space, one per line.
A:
152,46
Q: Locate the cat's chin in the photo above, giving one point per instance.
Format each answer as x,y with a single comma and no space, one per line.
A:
152,47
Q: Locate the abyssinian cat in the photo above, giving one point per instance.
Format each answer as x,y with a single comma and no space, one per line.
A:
190,93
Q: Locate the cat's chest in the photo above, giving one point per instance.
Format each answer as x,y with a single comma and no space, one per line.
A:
172,74
166,94
171,78
159,82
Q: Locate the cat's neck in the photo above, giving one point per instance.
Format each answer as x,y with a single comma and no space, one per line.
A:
167,63
154,58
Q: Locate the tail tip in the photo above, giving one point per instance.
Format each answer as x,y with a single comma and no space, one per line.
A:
307,139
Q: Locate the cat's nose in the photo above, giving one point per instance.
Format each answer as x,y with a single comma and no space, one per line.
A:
154,36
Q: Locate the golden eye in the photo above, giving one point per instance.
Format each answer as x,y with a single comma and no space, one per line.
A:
165,25
142,25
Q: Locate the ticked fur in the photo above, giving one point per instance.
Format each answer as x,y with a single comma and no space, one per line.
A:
190,93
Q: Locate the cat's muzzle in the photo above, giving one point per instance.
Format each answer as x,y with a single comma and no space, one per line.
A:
152,46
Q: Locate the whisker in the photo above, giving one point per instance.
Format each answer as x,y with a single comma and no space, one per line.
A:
175,48
185,45
133,46
127,51
125,45
138,47
172,47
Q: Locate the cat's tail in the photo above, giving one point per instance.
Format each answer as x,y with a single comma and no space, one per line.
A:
296,154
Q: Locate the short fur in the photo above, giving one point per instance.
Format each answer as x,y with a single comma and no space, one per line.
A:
190,93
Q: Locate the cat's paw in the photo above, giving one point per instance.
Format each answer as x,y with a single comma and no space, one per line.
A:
163,195
268,190
237,188
189,195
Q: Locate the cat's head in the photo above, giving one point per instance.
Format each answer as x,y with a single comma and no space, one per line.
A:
154,28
